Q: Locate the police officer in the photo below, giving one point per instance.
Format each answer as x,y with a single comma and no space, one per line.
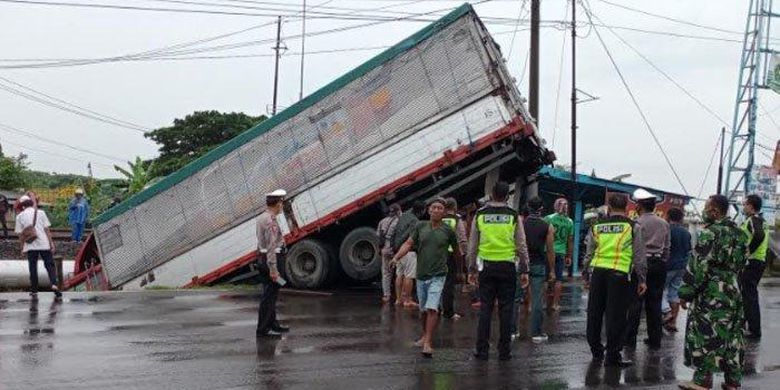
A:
614,248
497,250
270,245
758,243
453,220
656,238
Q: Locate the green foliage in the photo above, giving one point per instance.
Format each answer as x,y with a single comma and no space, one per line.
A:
195,135
137,176
37,179
13,172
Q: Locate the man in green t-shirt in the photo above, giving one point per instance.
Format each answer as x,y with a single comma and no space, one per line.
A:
431,240
564,245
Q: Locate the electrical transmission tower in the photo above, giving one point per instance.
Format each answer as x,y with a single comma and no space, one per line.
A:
754,63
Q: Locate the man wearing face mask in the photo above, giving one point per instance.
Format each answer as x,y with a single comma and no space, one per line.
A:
713,335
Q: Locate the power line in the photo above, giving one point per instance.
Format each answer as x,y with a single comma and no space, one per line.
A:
665,74
63,107
38,137
560,76
517,26
75,106
26,147
213,48
137,8
681,21
636,103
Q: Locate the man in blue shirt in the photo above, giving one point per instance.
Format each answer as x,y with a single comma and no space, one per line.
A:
675,269
78,212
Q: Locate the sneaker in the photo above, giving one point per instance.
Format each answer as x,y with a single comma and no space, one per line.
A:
270,333
540,338
515,336
280,329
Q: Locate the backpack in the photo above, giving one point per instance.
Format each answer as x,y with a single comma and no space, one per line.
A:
28,234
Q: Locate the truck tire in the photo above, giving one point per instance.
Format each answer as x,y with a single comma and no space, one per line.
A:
359,254
307,265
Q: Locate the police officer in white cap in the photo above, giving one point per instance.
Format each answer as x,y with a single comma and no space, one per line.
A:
270,245
656,237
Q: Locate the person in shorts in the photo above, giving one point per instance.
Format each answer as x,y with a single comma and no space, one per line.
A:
679,253
564,246
406,266
431,241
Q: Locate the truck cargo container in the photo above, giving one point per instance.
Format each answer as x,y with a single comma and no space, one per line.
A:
436,114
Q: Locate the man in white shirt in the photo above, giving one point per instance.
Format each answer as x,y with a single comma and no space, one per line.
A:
42,246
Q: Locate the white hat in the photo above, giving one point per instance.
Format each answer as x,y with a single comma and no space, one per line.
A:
80,191
280,193
642,194
24,198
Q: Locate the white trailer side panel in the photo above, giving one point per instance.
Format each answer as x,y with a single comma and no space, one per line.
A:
428,145
401,159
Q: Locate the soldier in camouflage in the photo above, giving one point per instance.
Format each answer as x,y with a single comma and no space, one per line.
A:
713,337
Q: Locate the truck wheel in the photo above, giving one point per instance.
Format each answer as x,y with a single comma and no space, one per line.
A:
359,254
307,264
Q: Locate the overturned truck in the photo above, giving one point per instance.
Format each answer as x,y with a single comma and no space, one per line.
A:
434,115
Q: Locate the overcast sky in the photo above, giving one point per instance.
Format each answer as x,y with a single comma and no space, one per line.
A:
612,138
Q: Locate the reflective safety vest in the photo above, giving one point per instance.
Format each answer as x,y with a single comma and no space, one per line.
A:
614,244
497,227
760,253
452,222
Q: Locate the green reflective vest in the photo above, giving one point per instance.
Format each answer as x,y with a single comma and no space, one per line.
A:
452,222
497,226
760,253
614,244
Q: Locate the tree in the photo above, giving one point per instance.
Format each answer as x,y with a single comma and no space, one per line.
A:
195,135
137,176
13,172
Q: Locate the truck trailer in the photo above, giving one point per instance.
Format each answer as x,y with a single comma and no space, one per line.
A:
438,114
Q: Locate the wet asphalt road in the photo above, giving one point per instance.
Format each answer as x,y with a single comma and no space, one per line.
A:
205,340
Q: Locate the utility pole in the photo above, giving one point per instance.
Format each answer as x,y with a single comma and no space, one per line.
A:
533,86
720,164
303,48
573,100
278,49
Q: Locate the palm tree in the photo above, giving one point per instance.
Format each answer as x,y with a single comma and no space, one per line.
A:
137,177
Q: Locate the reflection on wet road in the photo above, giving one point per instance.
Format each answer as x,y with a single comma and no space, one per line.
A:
205,340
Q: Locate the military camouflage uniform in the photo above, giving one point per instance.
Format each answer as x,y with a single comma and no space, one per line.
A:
713,337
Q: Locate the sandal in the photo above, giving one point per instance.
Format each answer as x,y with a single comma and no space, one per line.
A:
691,385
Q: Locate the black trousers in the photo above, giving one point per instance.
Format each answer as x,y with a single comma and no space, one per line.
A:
497,280
609,294
448,294
266,316
48,263
748,285
651,301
